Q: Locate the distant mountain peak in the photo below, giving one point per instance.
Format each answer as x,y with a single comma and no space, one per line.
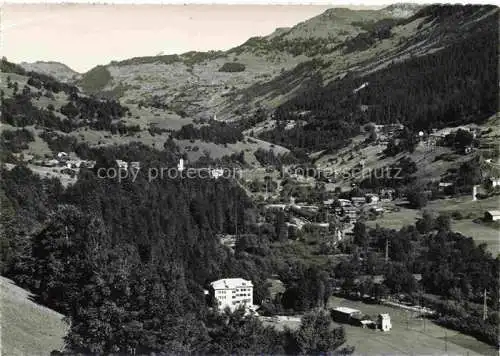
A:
55,69
402,9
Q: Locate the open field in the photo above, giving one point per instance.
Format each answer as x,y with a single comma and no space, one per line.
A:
469,209
28,328
409,335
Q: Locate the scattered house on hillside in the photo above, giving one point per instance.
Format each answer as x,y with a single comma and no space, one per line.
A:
232,293
493,182
364,85
358,201
314,208
492,215
372,198
375,279
50,163
73,163
387,194
328,202
344,202
62,156
444,185
384,322
180,165
377,210
121,164
68,171
227,240
275,206
351,212
322,225
87,164
216,173
386,132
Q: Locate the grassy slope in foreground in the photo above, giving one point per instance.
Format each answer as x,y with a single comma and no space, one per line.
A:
28,328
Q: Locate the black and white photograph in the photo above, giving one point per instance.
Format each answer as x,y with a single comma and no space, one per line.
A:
249,178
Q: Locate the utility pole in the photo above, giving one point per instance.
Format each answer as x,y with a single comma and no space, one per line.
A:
236,221
386,250
445,341
485,306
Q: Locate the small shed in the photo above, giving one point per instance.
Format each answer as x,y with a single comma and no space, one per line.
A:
492,215
344,314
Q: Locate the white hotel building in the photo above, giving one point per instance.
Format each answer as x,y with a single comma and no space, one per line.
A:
232,292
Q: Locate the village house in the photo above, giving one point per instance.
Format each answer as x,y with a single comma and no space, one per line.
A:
351,212
492,215
328,202
232,293
493,182
344,202
358,201
50,163
372,198
387,194
344,314
121,164
445,186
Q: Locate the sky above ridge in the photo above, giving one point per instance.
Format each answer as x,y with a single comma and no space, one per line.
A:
83,35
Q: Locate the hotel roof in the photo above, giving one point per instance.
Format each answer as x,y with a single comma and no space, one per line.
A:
231,283
346,310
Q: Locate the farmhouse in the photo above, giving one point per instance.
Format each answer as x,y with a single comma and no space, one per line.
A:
351,212
232,293
357,201
384,322
50,163
492,215
344,314
372,198
121,164
275,206
344,202
387,194
494,182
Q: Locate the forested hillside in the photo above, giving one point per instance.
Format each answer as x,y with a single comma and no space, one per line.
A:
452,85
127,262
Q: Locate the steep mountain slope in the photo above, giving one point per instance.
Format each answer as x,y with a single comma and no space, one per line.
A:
55,69
326,77
198,83
445,74
268,71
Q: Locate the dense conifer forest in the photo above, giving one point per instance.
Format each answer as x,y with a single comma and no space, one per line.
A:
454,85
